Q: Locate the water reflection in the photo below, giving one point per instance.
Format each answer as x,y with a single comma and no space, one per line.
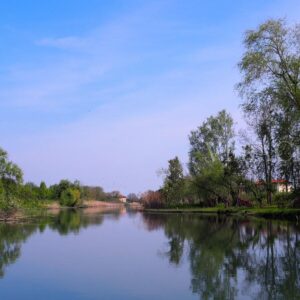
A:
72,221
230,258
12,236
227,258
11,239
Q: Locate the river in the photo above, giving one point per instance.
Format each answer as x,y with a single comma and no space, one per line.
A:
118,254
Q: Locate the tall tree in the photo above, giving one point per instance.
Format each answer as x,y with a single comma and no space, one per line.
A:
270,87
173,187
9,170
272,60
261,116
214,138
216,172
10,177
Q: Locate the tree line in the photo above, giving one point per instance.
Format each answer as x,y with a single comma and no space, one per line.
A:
222,171
14,192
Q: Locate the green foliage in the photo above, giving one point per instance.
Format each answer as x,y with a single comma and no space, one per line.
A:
15,194
93,193
11,177
43,191
209,184
9,172
173,188
29,191
8,202
213,139
272,61
215,171
283,199
70,197
270,86
57,189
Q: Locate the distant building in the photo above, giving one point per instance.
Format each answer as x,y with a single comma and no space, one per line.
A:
122,198
280,185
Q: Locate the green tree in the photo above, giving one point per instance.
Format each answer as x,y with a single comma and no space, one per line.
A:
261,114
93,193
234,176
212,149
288,140
11,176
173,188
213,138
270,70
209,183
8,170
29,191
272,60
56,190
43,191
70,197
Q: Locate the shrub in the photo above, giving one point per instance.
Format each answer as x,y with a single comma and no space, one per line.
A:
244,203
152,199
8,202
70,197
282,199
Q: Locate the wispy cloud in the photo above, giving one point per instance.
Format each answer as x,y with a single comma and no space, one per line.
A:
90,59
63,43
121,98
145,93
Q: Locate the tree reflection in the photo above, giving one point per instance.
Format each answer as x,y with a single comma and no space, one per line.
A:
12,236
72,221
11,239
232,257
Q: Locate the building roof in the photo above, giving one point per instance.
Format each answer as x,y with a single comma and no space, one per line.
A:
282,181
279,181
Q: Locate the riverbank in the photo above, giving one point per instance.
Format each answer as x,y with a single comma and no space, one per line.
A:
33,209
54,205
264,212
26,213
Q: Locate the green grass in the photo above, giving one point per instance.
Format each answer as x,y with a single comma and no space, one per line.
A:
266,212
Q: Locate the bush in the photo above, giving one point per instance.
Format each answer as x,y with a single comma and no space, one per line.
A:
295,198
152,199
70,197
8,202
282,199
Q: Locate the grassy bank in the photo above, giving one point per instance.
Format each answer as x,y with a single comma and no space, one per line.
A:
25,210
265,212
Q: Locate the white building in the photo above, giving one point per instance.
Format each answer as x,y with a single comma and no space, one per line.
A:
122,198
280,185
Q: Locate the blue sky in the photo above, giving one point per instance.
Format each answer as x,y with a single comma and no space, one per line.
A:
107,91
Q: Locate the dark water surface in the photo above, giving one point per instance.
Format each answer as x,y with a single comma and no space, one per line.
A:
127,255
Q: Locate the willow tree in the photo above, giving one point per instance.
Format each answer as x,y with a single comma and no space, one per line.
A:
272,60
270,70
10,177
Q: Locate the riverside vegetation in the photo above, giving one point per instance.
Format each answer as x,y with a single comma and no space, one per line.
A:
14,194
224,175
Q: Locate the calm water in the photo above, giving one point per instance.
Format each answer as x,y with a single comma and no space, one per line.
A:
119,255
